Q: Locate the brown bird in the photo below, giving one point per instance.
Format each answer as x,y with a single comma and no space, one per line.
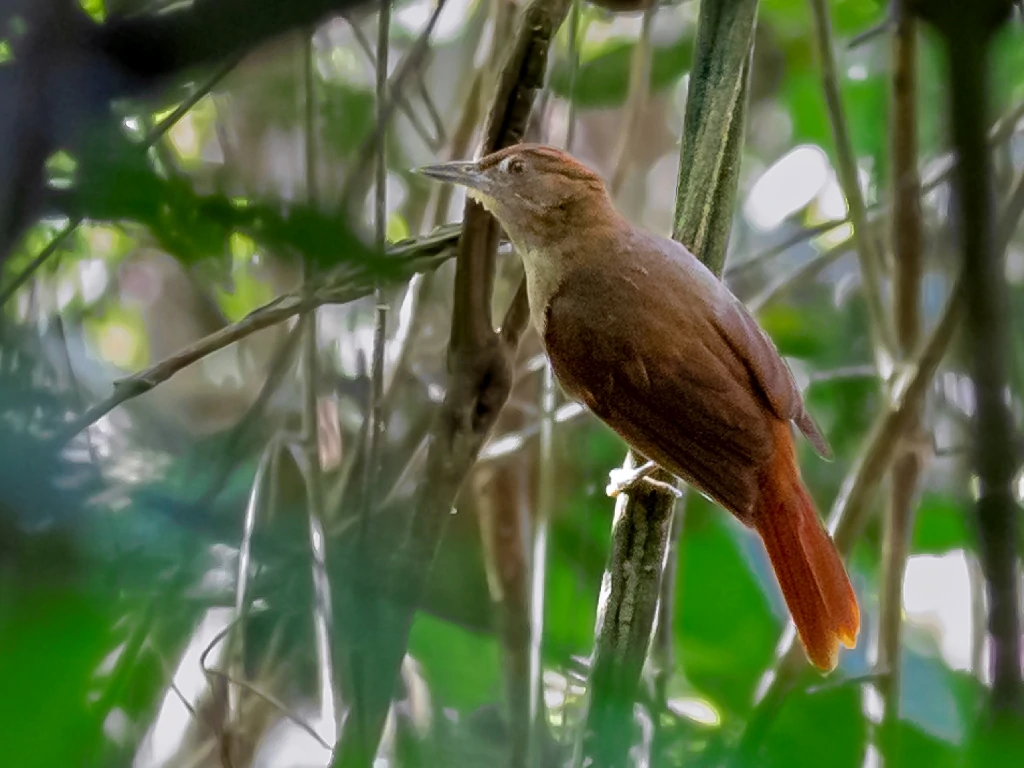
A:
644,335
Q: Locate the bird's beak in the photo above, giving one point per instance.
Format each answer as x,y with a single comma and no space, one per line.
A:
463,172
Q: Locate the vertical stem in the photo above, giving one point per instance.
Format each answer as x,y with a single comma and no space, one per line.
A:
374,414
625,618
575,35
870,262
323,610
546,473
538,563
367,743
987,322
908,255
636,102
662,654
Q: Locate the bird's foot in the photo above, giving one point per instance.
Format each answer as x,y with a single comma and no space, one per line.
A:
625,480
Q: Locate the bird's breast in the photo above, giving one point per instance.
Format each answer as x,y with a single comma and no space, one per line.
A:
544,278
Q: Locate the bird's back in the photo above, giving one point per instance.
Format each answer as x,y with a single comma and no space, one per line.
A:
634,333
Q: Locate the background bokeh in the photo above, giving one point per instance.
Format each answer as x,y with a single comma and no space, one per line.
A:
120,556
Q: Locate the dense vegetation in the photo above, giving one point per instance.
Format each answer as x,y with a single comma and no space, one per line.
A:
226,529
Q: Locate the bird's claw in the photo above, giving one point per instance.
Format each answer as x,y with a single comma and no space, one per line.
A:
623,480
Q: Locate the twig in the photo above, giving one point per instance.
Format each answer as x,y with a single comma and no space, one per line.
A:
375,405
506,444
886,24
404,385
909,390
798,274
636,101
309,453
403,101
575,35
908,464
272,700
334,289
546,478
236,644
1000,131
736,269
374,416
366,155
870,260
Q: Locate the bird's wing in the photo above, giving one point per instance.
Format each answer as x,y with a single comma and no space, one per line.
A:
747,340
660,375
757,351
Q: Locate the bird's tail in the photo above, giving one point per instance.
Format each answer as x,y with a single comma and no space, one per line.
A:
806,562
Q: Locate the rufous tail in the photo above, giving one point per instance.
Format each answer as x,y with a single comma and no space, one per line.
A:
806,561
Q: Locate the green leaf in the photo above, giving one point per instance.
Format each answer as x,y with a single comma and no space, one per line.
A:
916,747
53,640
462,668
603,81
940,525
814,729
726,631
928,698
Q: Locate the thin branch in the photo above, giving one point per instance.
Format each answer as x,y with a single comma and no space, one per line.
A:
403,100
636,101
404,384
909,389
338,288
909,463
546,496
312,472
236,643
736,269
577,32
806,271
1000,131
272,700
375,405
870,259
365,157
374,416
501,446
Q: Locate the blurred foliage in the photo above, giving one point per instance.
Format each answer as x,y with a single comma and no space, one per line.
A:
105,572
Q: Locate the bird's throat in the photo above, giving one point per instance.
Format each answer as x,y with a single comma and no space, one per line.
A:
545,274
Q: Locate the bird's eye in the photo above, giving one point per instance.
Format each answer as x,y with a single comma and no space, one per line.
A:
512,165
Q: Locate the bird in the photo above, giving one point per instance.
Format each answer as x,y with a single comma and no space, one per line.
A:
644,335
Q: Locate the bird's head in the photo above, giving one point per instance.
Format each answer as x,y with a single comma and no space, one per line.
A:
537,193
